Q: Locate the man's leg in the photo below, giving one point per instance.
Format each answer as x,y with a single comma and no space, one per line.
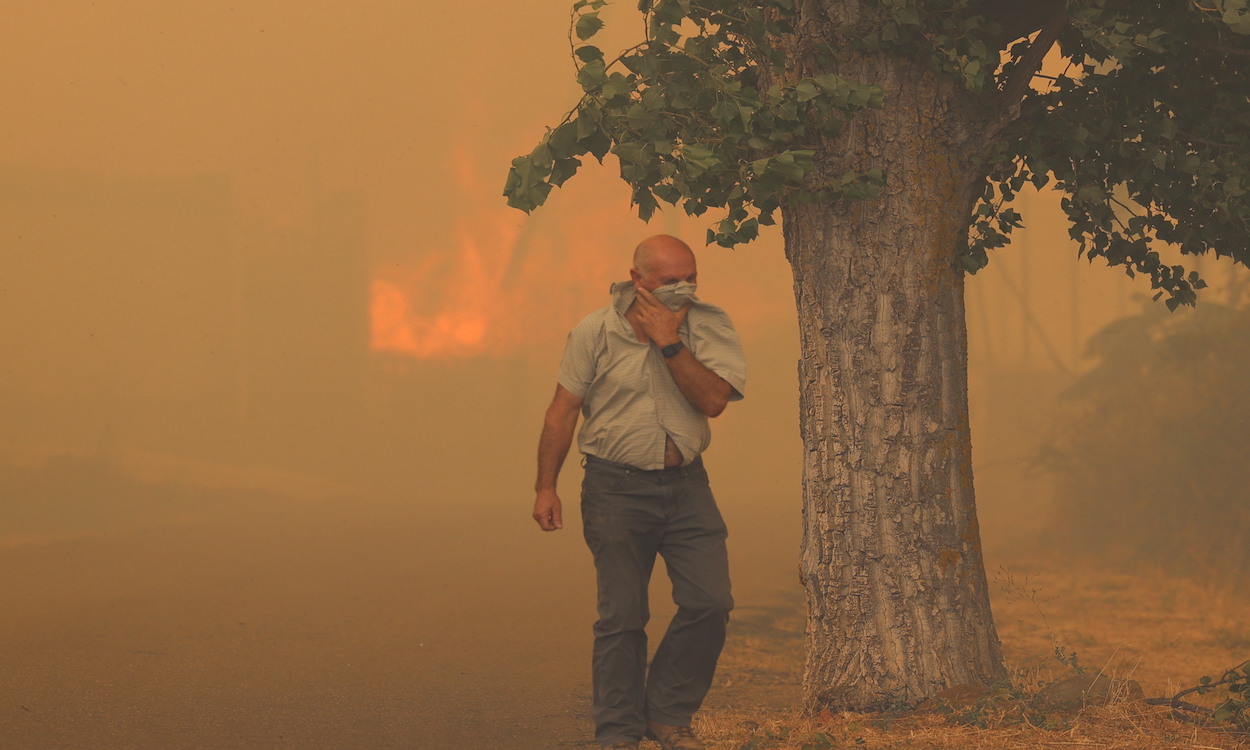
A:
621,521
695,554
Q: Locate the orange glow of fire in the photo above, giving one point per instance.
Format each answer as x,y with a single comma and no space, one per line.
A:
396,328
508,283
430,312
494,289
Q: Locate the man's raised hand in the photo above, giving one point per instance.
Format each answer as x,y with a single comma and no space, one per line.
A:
657,321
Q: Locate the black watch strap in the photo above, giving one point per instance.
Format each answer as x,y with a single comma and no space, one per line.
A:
672,349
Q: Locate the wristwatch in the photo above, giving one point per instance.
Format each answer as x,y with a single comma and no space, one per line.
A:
672,349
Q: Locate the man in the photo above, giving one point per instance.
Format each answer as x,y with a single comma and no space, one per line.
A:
648,371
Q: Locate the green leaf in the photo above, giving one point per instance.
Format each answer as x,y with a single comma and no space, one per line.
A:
617,85
645,202
835,86
588,53
526,186
865,97
592,75
589,118
788,166
1091,194
541,156
597,143
725,111
563,140
806,91
588,24
563,169
698,154
1237,19
668,11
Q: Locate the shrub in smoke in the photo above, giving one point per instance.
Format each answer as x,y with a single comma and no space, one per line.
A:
1150,452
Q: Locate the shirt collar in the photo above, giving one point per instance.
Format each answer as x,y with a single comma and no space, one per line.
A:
622,296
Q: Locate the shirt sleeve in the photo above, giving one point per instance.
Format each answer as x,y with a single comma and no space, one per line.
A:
577,367
714,342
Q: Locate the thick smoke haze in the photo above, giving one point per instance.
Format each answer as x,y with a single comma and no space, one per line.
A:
271,236
275,356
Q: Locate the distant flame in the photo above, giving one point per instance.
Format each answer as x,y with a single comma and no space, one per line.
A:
493,291
396,328
502,286
428,312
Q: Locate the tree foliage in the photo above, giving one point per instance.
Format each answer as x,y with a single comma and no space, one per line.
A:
694,120
1147,134
722,105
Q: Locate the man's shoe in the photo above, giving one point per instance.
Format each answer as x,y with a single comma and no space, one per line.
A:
674,738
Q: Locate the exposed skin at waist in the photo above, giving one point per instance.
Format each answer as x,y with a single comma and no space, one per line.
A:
672,454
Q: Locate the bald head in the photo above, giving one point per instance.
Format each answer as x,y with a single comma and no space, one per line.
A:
662,259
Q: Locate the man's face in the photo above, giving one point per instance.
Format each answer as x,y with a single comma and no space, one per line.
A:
666,269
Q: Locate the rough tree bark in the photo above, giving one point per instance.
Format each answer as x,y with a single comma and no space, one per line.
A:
897,595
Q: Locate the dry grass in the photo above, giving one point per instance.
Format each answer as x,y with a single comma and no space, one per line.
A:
1124,725
1162,631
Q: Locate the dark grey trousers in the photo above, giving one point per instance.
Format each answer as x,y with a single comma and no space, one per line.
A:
628,517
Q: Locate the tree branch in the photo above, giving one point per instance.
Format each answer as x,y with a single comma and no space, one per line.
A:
1031,61
1225,49
1178,706
1196,140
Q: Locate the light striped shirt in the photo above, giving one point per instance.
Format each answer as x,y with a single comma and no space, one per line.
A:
630,400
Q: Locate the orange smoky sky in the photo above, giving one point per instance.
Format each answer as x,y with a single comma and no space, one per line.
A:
411,112
213,210
227,227
274,355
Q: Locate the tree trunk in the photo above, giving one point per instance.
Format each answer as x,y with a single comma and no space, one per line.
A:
898,606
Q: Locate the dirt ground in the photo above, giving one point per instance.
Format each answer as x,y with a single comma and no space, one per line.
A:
1054,615
319,624
300,625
